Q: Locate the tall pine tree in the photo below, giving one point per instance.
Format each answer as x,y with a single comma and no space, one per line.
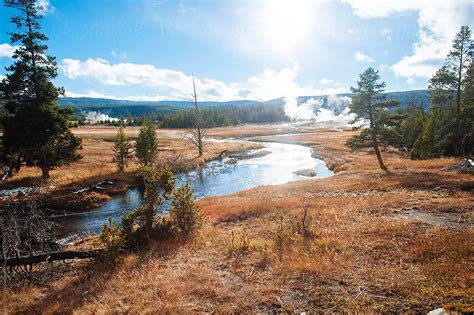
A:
448,113
370,104
459,59
35,130
467,112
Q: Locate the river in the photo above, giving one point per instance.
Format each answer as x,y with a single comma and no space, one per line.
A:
215,178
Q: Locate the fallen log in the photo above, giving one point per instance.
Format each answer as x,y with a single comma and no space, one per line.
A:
63,255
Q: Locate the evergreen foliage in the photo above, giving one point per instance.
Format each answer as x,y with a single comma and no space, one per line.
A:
185,214
448,129
146,146
412,124
122,150
371,105
35,130
223,117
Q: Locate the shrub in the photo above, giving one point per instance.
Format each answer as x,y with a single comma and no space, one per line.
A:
240,242
185,214
112,239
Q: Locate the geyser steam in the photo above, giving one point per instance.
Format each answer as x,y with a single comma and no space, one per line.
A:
95,117
303,111
335,109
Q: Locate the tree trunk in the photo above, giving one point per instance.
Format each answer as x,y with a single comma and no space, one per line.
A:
374,139
377,151
198,121
10,262
149,214
45,172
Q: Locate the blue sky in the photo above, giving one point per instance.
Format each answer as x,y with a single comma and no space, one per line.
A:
148,49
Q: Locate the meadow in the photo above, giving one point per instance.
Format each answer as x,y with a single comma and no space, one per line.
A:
396,242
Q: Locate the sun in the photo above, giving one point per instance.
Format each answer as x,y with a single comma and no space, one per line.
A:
286,25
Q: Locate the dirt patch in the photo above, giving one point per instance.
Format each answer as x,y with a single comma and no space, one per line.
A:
454,219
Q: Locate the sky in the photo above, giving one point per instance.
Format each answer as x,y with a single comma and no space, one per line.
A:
258,50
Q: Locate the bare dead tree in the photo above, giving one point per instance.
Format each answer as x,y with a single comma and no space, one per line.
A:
197,134
25,229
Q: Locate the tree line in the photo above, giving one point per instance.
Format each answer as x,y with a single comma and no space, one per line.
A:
445,129
223,117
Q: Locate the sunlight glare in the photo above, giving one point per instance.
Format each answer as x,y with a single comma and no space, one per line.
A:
287,24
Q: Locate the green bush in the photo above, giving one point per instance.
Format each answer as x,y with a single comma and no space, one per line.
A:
185,214
112,240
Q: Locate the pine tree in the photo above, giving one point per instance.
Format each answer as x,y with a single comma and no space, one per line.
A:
185,213
459,59
371,105
159,184
122,150
428,144
36,131
147,143
412,124
467,112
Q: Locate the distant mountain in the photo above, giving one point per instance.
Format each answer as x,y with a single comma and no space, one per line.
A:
124,108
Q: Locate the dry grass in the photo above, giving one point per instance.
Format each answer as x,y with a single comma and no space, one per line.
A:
399,242
97,161
97,165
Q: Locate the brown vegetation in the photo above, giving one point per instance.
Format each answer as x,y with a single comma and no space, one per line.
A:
97,165
398,242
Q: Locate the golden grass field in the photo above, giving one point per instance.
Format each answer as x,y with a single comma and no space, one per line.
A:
376,242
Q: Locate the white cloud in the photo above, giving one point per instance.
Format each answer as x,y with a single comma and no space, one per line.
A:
326,81
2,77
266,85
386,32
45,6
6,50
119,54
351,32
410,81
94,94
383,66
438,22
359,56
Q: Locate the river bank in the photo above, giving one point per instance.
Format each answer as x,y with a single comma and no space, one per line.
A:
73,188
377,242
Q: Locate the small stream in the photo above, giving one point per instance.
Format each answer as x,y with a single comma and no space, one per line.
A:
215,178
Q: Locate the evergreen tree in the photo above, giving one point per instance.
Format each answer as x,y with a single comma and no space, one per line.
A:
35,130
446,88
459,59
428,144
185,213
467,112
448,113
371,105
147,143
122,150
412,124
159,185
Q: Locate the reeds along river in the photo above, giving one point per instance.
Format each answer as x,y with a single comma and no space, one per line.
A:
215,178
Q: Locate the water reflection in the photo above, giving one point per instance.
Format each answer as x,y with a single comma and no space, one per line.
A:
214,179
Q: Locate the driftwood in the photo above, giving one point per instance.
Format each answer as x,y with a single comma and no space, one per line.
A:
101,186
35,259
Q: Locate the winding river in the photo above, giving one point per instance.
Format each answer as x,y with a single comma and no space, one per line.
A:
213,179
